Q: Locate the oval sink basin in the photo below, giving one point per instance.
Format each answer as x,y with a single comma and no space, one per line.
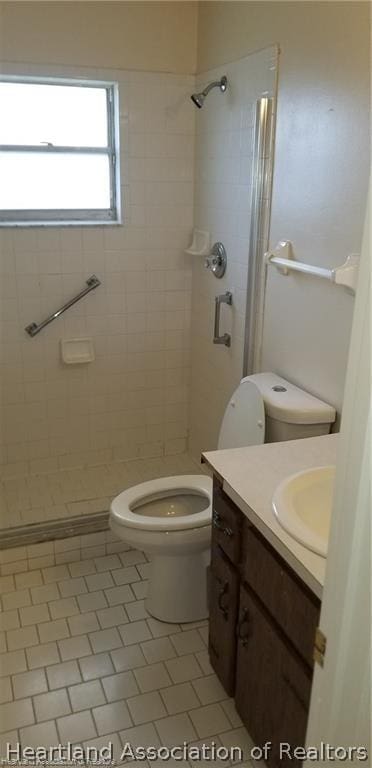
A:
302,504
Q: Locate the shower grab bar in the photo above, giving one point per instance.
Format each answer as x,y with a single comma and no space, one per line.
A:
346,274
34,328
224,298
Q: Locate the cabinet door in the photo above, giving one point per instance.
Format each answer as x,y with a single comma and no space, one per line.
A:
226,524
273,684
288,600
223,610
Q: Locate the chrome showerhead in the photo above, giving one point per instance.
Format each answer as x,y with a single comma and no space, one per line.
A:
199,98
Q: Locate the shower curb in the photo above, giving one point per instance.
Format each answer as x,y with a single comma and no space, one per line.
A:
36,533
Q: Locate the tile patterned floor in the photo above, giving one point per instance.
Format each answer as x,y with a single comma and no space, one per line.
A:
60,494
82,661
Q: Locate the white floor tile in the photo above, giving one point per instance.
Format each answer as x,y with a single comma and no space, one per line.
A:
133,557
45,593
112,617
96,666
44,734
107,563
53,630
9,620
34,614
126,575
137,611
128,658
183,669
51,705
42,655
22,638
6,692
82,568
71,587
76,728
119,595
141,736
120,686
180,698
28,579
239,737
16,599
230,710
29,684
209,720
91,602
60,609
153,677
103,741
209,689
187,642
134,632
161,628
175,730
140,589
60,675
83,623
99,581
85,695
105,640
111,717
74,647
158,650
16,714
146,707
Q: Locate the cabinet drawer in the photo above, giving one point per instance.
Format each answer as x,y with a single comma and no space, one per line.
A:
287,599
273,684
226,524
223,585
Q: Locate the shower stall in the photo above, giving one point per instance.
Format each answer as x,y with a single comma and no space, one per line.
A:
151,392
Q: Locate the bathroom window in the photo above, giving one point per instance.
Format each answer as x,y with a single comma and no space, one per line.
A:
59,153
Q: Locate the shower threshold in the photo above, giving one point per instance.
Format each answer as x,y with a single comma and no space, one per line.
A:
61,497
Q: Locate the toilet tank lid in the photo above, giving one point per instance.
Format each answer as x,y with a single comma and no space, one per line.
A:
293,405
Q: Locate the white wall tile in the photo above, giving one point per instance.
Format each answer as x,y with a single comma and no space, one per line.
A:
44,266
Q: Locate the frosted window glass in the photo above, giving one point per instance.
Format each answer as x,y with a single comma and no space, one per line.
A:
53,181
57,114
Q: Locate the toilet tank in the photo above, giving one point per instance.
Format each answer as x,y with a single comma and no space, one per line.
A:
290,412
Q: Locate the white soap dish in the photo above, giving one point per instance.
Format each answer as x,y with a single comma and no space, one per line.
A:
77,351
200,245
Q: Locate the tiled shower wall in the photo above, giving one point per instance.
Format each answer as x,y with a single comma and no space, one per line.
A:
132,401
223,185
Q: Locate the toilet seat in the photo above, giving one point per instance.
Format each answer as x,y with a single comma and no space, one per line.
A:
123,506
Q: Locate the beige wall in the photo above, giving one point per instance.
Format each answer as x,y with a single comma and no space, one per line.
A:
321,168
158,36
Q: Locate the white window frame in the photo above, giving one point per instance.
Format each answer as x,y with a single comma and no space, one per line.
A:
68,217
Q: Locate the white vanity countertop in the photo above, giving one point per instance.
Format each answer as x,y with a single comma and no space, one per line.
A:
250,477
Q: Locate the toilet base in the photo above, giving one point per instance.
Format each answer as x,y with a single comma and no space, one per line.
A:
178,588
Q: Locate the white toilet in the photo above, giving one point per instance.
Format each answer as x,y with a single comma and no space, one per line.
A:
170,518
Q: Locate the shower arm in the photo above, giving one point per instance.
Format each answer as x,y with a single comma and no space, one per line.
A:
215,84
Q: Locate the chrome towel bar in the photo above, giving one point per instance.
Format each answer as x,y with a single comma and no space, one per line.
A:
34,328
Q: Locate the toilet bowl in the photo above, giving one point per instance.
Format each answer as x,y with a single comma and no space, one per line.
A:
170,518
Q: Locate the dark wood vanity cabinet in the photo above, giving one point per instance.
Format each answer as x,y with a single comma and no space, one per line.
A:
262,629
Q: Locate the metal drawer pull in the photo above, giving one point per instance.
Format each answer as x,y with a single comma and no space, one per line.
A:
244,621
217,523
224,298
224,591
